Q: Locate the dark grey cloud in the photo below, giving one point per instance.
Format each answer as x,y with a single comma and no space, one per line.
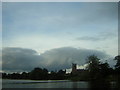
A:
63,57
99,37
21,59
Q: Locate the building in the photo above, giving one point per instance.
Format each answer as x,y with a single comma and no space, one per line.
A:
74,68
77,71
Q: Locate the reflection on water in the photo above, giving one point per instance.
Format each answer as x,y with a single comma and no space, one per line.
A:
117,85
104,85
43,84
75,85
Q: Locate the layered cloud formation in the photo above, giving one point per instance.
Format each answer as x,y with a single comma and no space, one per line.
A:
46,25
53,29
22,59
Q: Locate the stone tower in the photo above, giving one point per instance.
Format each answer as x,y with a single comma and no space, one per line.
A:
74,68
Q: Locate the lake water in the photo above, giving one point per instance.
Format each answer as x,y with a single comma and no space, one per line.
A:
43,84
50,84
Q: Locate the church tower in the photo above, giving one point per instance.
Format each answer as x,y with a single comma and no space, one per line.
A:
74,68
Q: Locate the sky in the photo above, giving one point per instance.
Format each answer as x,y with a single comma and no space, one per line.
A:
58,33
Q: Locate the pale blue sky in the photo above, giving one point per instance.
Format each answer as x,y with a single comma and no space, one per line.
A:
44,26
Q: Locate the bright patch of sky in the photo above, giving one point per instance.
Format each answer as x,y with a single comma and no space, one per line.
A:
44,26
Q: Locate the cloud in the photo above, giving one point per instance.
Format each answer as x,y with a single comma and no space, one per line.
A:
43,26
99,37
22,59
17,59
89,38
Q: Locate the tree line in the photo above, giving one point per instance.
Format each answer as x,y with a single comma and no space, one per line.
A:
37,74
95,70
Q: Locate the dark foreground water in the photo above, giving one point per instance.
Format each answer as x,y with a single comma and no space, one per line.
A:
43,84
53,84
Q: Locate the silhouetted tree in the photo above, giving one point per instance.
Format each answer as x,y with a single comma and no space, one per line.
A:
105,70
117,71
61,74
93,66
53,75
25,75
15,76
39,74
44,74
117,66
4,75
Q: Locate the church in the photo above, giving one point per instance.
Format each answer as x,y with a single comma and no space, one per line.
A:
75,70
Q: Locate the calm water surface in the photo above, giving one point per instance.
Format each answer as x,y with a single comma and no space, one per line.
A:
6,83
43,84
